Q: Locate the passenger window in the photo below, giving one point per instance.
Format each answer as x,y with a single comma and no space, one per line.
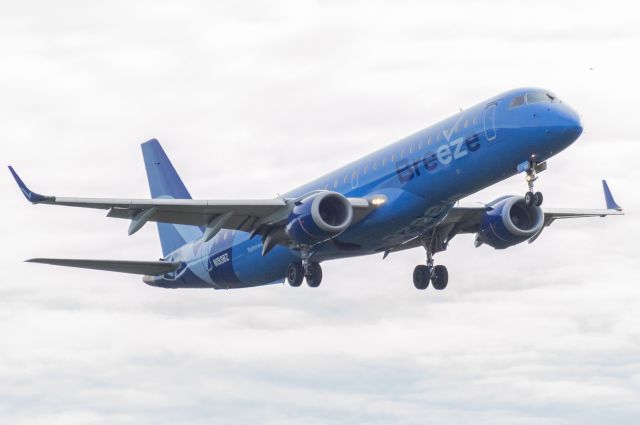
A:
346,178
364,170
335,183
517,101
475,120
384,160
429,141
466,123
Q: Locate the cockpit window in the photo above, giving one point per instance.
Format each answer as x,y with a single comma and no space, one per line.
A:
541,97
537,97
517,101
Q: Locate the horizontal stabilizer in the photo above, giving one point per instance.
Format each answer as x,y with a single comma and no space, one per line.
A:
150,268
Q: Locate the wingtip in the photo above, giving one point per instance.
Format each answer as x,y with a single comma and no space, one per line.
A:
151,141
608,197
32,197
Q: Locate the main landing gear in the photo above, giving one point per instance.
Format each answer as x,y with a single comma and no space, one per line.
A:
298,270
437,275
423,274
531,197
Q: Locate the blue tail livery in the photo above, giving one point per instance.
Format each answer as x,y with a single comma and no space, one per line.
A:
403,196
165,183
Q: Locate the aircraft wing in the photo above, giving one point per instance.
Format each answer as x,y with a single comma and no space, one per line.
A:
245,215
150,268
467,219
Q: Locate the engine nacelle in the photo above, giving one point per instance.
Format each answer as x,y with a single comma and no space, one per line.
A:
319,217
510,222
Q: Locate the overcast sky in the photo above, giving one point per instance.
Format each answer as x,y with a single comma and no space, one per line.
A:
251,99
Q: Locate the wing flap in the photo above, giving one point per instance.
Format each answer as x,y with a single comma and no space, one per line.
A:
150,268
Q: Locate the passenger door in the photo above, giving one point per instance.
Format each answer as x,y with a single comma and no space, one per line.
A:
490,121
354,178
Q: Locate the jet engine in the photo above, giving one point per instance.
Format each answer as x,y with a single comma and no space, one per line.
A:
509,222
319,217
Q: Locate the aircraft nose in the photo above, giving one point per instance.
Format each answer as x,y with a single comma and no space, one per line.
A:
566,125
573,126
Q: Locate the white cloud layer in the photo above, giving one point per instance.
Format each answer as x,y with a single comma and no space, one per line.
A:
253,98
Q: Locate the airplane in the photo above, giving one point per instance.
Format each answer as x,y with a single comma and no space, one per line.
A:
403,196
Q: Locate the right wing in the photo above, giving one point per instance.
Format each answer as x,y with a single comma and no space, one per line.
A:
150,268
467,219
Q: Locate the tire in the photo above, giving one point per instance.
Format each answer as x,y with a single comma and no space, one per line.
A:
440,277
295,274
421,277
529,198
315,275
537,199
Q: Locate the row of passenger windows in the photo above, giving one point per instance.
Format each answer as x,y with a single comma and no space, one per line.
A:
534,97
378,163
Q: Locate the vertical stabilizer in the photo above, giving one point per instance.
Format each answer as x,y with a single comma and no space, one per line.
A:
164,182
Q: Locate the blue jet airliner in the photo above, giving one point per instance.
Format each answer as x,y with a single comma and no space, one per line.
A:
400,197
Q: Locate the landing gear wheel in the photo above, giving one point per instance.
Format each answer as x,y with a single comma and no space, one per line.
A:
421,277
314,275
440,277
529,198
537,199
295,274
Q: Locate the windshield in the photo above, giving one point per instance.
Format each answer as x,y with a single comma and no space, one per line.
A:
517,101
541,97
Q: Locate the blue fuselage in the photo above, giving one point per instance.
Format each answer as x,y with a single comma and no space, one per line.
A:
421,176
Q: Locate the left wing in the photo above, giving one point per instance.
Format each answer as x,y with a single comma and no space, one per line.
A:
254,216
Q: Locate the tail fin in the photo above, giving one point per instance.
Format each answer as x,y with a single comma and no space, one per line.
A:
164,182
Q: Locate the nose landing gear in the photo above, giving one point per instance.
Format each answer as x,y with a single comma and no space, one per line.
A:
531,169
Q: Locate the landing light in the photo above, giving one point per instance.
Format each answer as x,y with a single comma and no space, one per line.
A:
378,200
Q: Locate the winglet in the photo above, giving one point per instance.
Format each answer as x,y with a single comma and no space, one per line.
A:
608,197
32,197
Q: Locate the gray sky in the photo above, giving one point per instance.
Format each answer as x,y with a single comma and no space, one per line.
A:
253,98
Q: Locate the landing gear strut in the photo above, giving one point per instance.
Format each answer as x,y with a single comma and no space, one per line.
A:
423,274
531,197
